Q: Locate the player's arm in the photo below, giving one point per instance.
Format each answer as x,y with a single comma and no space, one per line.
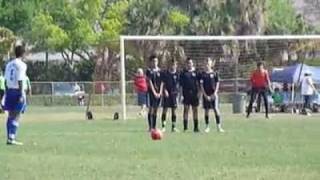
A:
203,91
29,88
151,84
217,85
310,82
202,88
181,86
152,87
21,75
20,86
161,89
5,85
268,81
199,86
164,90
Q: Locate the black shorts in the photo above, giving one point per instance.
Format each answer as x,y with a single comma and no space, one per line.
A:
191,99
153,101
170,101
210,104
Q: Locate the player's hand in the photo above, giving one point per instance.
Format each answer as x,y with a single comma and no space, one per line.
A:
271,90
166,94
208,97
22,99
158,95
214,96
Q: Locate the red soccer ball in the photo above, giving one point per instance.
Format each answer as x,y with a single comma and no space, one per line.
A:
156,134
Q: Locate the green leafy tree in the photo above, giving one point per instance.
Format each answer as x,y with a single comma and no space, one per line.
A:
282,18
178,20
7,39
86,28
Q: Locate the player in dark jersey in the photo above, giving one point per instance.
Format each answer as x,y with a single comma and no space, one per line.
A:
170,92
209,83
190,90
155,87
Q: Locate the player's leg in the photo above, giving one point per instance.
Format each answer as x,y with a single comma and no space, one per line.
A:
259,99
154,117
195,118
174,119
155,107
206,107
195,104
164,117
306,104
185,116
145,104
149,118
173,106
12,128
264,94
143,110
206,119
217,115
253,95
151,101
142,101
14,108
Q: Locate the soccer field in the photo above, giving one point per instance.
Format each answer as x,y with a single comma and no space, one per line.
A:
59,144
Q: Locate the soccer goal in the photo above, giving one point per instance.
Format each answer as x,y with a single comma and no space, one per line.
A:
235,57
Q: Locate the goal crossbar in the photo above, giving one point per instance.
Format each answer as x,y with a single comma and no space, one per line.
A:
124,38
210,38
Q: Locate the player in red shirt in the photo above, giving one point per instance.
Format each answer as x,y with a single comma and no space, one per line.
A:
260,83
141,87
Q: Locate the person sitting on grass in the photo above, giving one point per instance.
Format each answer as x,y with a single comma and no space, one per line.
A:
277,99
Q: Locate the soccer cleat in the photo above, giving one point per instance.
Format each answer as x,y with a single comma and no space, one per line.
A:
14,142
142,114
175,130
196,130
164,123
207,130
220,130
163,129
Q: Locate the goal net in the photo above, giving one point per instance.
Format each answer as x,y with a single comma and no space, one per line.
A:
235,56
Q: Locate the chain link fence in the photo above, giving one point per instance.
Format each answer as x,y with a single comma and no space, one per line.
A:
103,93
76,93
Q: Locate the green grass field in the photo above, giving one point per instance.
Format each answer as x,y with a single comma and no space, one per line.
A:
59,144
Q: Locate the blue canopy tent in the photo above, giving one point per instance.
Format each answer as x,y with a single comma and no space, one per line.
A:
293,74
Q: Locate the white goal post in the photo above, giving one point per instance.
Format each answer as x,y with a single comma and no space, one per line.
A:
191,38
